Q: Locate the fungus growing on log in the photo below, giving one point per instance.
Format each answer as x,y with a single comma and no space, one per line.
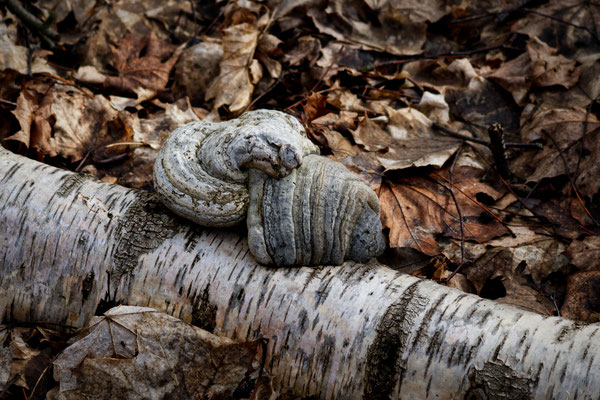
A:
301,208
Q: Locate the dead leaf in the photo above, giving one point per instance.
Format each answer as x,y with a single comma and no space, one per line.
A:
394,31
25,113
435,107
345,100
416,210
525,297
79,124
307,49
233,87
413,143
367,167
141,62
484,103
81,9
566,25
562,132
196,69
540,66
21,363
268,52
137,351
151,132
339,145
558,215
533,254
585,254
581,95
314,107
582,301
371,136
15,57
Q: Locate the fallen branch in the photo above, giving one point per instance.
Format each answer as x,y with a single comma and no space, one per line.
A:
68,242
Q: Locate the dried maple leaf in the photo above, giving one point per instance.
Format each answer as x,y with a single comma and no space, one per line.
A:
234,85
417,209
141,62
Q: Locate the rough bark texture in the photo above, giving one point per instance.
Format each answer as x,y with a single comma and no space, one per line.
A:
354,331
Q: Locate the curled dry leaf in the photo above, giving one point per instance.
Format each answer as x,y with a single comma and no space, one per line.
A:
137,352
150,132
435,107
21,363
233,87
15,57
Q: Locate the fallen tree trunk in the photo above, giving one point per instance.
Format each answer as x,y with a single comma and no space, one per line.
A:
68,242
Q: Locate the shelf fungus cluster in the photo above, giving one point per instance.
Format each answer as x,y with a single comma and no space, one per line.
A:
300,208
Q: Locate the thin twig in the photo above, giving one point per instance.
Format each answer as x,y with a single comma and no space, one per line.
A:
460,217
83,90
10,103
404,216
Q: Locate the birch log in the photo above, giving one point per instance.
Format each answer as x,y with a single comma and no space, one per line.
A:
68,242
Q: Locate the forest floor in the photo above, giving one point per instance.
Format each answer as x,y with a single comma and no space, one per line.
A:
476,122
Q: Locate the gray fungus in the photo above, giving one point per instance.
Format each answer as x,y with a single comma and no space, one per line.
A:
301,208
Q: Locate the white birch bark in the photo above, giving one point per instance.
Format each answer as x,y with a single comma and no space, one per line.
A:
69,243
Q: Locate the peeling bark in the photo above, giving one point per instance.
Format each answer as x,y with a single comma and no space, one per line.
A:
355,331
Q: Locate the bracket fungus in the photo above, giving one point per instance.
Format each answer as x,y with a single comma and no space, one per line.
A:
301,208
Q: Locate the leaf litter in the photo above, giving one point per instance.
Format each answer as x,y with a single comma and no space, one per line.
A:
402,93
